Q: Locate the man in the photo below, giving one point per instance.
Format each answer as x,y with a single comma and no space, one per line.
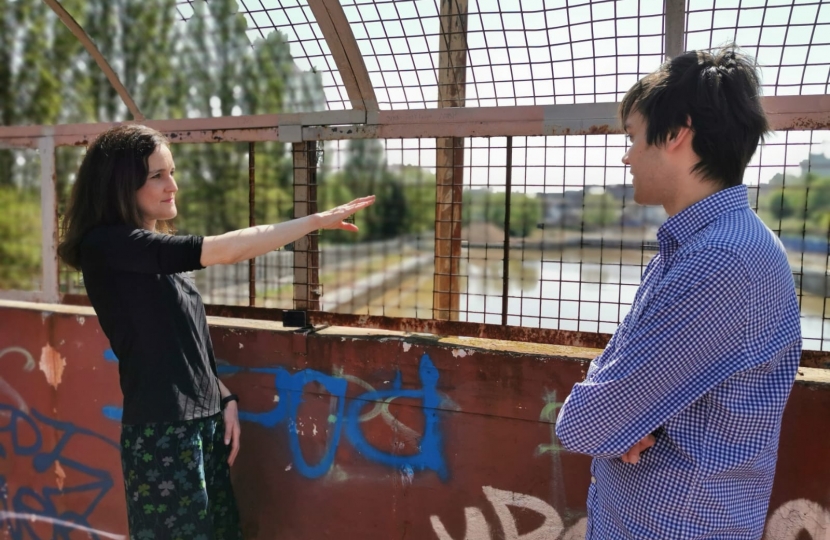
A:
682,411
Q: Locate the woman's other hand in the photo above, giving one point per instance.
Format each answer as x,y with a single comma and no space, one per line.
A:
232,429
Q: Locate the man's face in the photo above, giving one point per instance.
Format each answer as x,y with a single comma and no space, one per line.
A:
647,163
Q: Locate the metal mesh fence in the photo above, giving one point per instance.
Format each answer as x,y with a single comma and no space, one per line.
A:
387,267
790,40
537,232
519,53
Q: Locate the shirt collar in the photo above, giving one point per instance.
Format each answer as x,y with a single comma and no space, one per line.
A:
680,227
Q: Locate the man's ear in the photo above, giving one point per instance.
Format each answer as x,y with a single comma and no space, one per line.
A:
680,136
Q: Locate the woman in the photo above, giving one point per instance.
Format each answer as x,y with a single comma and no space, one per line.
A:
180,426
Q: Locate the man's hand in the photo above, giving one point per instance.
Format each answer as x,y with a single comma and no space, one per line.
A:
633,454
232,429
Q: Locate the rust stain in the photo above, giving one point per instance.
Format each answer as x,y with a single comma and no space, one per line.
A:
806,123
604,129
52,365
815,359
60,475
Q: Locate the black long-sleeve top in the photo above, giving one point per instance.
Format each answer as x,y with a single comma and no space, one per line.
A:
155,321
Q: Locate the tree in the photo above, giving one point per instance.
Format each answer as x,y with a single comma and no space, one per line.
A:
488,206
601,210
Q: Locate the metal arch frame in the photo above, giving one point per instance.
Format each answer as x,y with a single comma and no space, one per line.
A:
365,120
347,57
102,62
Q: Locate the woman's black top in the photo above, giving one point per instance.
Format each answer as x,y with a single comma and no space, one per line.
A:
155,320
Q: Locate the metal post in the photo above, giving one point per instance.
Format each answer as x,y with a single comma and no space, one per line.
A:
307,290
675,27
506,257
49,220
449,170
251,219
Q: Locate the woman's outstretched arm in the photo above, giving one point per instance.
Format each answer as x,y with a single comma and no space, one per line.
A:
244,244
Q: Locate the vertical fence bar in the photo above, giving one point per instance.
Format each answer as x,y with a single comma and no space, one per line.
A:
449,169
49,221
505,274
674,27
306,249
251,219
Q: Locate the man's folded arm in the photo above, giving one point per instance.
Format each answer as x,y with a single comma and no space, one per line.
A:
668,359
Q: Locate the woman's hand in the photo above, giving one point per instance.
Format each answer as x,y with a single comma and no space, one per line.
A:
232,429
333,219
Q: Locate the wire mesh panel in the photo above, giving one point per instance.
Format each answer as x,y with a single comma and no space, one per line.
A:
790,39
789,181
67,161
519,53
214,197
20,220
537,53
387,267
313,82
554,240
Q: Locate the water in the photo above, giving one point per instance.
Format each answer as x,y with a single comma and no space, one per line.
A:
586,296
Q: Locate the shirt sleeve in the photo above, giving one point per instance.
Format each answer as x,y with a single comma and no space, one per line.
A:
669,357
129,249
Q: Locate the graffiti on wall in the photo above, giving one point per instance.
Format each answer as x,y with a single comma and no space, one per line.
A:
346,418
796,520
34,511
477,527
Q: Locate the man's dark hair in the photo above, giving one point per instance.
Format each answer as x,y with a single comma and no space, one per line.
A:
719,93
112,171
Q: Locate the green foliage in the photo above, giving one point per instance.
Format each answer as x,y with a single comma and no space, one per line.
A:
601,210
486,206
19,238
803,205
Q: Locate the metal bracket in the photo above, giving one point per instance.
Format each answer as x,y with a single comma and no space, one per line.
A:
290,133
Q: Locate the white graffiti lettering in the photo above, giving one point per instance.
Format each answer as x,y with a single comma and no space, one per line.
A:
795,517
477,527
788,522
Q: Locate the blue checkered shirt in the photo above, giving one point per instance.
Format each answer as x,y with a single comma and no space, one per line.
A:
705,361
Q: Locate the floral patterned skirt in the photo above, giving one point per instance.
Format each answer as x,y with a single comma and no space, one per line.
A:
177,481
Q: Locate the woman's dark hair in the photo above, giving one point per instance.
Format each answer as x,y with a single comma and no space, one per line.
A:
720,94
113,169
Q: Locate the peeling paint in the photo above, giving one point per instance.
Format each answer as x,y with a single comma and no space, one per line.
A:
60,475
406,346
52,365
459,353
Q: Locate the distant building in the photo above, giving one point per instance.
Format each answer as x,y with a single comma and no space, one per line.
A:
565,209
817,164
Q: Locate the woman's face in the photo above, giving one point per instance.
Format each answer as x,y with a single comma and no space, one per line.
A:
157,197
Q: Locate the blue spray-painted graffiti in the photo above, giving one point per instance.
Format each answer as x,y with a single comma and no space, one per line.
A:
112,412
27,440
429,457
291,386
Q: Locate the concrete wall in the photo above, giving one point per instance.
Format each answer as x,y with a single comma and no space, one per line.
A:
346,434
